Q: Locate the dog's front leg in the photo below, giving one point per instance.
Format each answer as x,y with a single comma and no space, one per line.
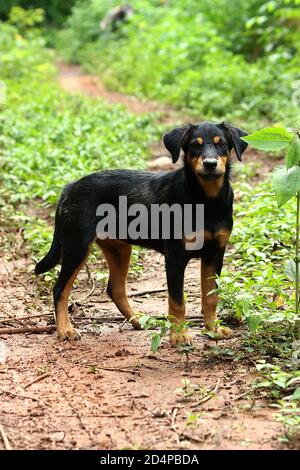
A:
210,267
175,266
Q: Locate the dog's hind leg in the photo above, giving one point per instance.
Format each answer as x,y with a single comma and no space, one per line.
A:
73,258
117,255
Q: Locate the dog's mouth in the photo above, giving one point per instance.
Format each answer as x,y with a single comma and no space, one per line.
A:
208,175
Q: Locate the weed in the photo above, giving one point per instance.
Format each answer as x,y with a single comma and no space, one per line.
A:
43,369
93,369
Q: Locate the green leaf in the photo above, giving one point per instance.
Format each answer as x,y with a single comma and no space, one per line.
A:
286,184
290,269
294,396
253,321
143,320
260,365
155,342
292,157
270,139
265,384
280,383
211,334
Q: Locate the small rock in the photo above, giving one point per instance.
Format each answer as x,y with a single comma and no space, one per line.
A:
122,352
158,413
161,163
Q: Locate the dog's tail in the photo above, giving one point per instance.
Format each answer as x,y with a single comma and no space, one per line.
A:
51,259
53,256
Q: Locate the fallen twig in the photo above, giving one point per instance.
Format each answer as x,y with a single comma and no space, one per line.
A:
151,356
97,416
5,438
37,379
241,396
147,291
14,394
210,394
119,319
174,414
27,317
190,438
99,319
86,296
116,369
11,317
27,329
88,272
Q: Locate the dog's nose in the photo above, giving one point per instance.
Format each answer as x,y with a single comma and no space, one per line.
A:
210,164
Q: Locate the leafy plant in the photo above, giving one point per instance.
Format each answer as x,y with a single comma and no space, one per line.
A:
188,389
289,415
286,185
93,369
55,10
284,386
256,44
186,350
25,20
192,421
278,381
164,325
148,322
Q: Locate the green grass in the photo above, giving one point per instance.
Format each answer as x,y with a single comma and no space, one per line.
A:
49,138
217,60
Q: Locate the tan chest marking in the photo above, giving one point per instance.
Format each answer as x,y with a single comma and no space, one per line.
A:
211,188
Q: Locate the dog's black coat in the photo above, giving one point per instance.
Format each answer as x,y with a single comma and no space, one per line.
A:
76,220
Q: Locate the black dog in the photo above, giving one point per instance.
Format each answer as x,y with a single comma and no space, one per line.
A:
204,179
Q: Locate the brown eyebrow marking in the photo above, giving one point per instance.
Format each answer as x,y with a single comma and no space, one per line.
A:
200,140
217,139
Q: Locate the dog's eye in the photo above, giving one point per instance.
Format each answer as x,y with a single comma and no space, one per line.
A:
196,146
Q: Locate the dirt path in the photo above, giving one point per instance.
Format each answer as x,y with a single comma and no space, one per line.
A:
108,390
74,80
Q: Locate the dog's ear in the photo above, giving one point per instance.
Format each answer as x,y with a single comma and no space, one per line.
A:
174,140
234,135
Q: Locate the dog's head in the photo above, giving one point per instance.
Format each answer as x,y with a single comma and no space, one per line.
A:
206,147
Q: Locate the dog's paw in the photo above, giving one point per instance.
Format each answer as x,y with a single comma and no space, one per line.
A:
69,334
181,338
224,332
135,323
220,332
